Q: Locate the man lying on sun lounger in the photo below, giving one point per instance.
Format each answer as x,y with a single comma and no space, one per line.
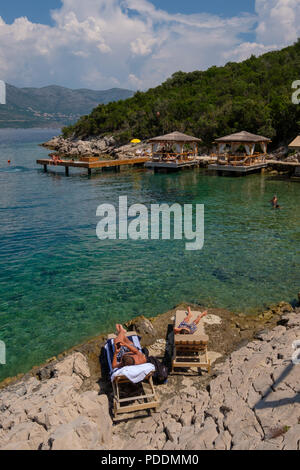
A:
186,328
126,354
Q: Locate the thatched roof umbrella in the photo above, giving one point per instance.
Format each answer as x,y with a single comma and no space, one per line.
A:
244,138
177,138
295,144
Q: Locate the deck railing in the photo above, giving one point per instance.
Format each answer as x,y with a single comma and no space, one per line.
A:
169,156
241,160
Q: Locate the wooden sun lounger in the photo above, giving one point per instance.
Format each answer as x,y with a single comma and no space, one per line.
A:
147,401
190,350
222,160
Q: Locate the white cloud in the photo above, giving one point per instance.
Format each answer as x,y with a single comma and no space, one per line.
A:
278,21
246,49
130,43
143,45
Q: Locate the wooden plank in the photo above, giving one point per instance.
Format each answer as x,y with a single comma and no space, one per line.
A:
139,397
190,364
141,406
276,162
191,358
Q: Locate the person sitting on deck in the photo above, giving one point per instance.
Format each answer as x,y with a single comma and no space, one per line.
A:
126,354
55,159
186,328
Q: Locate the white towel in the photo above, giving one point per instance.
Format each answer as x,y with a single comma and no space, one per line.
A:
134,373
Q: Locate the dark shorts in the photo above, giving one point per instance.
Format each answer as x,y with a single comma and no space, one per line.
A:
123,350
192,327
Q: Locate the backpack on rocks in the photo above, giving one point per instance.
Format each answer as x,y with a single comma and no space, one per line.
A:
161,371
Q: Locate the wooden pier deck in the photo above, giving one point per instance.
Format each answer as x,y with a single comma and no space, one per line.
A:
245,169
171,166
94,165
237,169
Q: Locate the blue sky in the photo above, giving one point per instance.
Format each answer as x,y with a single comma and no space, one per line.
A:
218,7
135,44
39,10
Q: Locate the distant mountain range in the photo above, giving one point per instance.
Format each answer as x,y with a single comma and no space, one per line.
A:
53,106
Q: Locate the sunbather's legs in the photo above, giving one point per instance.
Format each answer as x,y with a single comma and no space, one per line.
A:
196,321
189,315
121,335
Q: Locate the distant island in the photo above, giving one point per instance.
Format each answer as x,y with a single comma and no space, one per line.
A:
255,94
52,106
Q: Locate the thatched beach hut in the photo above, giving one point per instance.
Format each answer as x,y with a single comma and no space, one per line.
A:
173,151
174,146
244,138
295,145
230,160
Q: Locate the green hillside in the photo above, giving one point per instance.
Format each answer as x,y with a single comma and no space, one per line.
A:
254,95
52,105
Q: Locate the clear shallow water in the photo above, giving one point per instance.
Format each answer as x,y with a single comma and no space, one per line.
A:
60,285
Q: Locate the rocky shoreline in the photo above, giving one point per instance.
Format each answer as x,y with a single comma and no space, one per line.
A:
104,147
249,401
107,147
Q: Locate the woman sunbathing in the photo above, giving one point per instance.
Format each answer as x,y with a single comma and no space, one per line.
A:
126,354
55,159
186,328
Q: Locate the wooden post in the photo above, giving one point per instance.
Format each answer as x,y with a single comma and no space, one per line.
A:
89,171
45,168
67,170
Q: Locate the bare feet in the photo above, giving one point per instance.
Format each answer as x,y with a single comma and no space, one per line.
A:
201,315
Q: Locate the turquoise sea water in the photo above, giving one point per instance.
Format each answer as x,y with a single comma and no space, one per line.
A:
60,285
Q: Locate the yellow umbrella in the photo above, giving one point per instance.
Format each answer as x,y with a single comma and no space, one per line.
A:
135,141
